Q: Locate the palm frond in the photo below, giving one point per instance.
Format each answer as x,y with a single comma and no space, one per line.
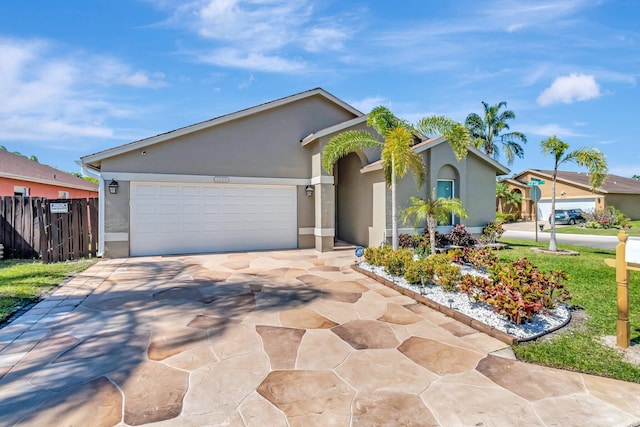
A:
346,143
456,134
595,161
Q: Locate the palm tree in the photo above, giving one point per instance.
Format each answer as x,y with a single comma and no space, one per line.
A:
397,156
502,193
432,210
487,133
591,158
513,198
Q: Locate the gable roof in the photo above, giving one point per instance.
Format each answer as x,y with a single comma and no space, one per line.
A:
612,184
93,160
333,129
433,142
19,167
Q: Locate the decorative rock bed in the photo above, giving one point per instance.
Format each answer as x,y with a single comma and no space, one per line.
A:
477,315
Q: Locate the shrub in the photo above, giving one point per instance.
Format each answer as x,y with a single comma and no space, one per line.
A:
419,270
398,261
377,256
473,285
407,241
442,240
518,290
448,276
506,218
439,259
460,236
609,217
423,249
492,231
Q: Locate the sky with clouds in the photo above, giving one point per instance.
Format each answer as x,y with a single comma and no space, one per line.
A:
81,76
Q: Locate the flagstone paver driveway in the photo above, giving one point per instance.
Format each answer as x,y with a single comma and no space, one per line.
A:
271,339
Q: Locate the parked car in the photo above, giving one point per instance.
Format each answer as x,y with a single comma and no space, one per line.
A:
568,216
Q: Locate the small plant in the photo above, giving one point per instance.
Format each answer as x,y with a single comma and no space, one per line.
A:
442,240
492,231
609,217
377,256
423,250
460,236
420,271
398,261
506,218
408,241
447,276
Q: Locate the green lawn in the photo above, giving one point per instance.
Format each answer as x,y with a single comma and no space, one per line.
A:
593,288
572,229
23,281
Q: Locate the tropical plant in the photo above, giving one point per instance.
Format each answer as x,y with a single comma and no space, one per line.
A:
397,156
591,158
502,192
487,132
513,199
432,210
636,177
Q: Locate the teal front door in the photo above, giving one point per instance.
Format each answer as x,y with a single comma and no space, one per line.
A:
445,191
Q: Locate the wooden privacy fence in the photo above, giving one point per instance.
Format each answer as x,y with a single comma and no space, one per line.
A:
53,230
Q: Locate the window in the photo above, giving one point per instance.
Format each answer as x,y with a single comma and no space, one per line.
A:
63,194
21,191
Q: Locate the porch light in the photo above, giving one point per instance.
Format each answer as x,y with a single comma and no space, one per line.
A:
309,190
113,187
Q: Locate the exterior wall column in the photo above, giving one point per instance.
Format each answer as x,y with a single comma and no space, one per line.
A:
325,205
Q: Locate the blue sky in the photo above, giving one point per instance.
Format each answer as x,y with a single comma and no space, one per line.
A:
80,76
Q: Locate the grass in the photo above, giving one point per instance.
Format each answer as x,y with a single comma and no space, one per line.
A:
593,288
572,229
24,281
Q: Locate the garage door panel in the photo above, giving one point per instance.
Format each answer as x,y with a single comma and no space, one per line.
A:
191,218
586,204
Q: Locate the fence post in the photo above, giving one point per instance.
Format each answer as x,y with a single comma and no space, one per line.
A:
622,278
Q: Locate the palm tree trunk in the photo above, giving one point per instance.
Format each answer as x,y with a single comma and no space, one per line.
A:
553,246
431,226
394,217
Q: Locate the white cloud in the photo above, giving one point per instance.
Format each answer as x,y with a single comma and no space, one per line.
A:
367,104
569,89
47,96
624,170
549,130
253,34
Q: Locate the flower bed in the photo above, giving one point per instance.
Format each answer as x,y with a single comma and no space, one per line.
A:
526,303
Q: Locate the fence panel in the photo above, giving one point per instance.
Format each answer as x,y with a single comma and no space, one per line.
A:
28,228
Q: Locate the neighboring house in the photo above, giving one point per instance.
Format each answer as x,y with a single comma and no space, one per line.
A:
574,192
20,176
253,180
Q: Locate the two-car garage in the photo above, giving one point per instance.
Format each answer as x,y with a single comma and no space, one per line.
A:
175,218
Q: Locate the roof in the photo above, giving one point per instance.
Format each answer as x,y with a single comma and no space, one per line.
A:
433,142
19,167
93,160
333,129
612,184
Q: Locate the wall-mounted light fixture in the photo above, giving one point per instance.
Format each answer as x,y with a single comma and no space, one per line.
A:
309,190
113,187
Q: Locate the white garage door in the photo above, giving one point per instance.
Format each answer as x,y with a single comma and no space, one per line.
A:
544,206
176,218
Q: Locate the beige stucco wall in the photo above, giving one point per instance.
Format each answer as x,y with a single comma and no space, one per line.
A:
629,204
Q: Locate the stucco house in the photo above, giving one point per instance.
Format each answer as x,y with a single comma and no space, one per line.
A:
253,180
20,176
574,192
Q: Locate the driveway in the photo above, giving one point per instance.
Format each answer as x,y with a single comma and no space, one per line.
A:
272,339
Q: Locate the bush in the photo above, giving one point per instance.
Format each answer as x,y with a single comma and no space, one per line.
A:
377,256
442,240
460,236
609,217
398,261
506,218
447,276
408,241
492,231
419,270
518,290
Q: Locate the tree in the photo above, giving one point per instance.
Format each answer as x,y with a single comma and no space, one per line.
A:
397,156
591,158
513,198
432,210
636,177
487,132
502,192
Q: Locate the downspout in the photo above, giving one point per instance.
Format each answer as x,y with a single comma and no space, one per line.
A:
87,171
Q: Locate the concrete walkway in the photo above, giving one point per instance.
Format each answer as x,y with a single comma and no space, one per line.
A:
291,338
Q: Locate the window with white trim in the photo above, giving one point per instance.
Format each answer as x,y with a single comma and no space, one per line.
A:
20,191
63,194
